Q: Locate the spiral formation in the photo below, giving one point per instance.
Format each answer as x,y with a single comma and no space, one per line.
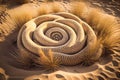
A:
65,34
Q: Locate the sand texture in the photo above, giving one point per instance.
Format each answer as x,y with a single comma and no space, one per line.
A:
84,45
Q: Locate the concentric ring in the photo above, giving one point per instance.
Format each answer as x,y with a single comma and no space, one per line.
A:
65,34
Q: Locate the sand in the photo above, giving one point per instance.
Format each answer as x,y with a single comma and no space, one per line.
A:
106,68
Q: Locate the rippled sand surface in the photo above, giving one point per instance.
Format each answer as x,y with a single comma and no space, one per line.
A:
93,12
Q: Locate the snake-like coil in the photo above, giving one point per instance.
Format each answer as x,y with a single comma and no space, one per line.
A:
65,34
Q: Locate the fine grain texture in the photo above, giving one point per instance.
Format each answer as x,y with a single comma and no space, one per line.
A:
65,34
60,40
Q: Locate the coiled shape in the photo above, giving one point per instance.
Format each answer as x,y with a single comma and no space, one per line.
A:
65,34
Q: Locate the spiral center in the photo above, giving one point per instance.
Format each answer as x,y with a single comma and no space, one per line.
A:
56,36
